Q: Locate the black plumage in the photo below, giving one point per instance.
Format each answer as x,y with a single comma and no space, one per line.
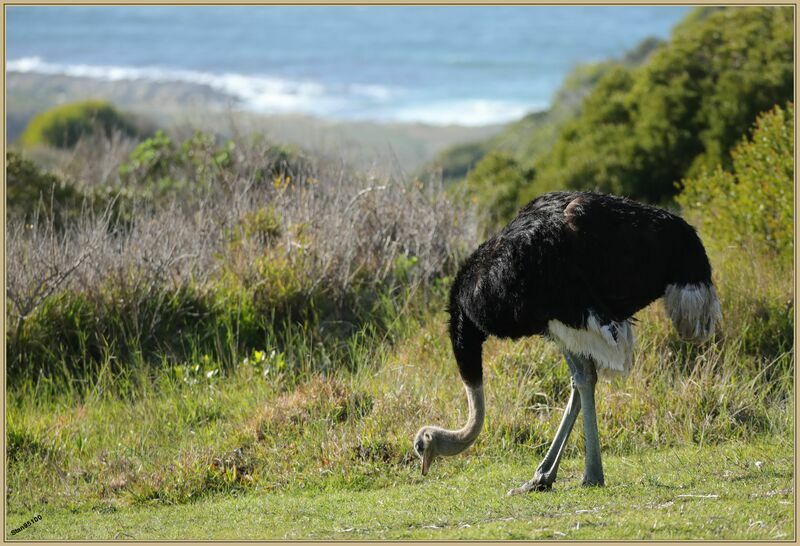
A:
565,256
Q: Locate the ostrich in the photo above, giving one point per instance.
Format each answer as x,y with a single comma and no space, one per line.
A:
575,267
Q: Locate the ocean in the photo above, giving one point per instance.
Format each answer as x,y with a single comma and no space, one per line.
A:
468,65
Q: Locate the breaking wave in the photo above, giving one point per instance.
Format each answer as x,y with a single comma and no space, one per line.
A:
270,94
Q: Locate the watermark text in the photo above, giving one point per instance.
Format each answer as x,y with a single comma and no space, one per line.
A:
34,519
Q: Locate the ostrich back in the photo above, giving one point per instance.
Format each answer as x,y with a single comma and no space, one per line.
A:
571,254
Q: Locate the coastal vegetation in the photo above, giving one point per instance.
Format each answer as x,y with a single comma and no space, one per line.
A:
63,126
641,129
529,138
203,328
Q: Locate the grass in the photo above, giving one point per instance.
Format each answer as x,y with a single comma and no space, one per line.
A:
269,450
735,491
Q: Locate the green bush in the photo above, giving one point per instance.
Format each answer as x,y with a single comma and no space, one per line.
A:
32,193
529,138
752,206
494,185
71,334
150,159
640,131
457,161
160,169
262,225
595,150
29,190
63,126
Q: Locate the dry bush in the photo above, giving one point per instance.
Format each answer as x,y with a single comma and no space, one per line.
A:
95,159
327,232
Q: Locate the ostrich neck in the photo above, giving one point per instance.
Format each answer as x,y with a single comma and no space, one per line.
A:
452,442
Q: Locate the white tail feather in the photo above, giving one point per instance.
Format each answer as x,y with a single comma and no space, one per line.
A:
694,310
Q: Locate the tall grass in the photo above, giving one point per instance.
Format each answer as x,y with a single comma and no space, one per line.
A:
307,415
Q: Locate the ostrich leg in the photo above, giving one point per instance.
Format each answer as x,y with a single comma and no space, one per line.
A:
585,380
546,471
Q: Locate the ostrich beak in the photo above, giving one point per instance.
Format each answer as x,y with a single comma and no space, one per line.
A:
427,459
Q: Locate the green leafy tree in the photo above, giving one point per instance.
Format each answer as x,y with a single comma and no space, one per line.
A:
752,205
598,158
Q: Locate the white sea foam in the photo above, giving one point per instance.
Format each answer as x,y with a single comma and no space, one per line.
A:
465,112
261,93
269,94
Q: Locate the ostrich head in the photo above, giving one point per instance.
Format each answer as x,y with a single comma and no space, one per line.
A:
431,442
425,447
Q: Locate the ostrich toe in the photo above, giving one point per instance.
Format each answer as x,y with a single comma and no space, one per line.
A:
539,483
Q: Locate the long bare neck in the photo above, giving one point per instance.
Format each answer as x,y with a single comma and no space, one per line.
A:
452,442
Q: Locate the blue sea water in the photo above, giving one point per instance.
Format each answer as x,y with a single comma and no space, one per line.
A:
436,64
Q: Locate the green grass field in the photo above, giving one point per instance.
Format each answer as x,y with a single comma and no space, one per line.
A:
724,492
697,443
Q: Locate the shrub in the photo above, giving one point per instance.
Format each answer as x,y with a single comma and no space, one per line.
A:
458,160
494,185
640,131
531,137
37,196
29,191
274,250
262,224
160,169
63,126
751,206
151,159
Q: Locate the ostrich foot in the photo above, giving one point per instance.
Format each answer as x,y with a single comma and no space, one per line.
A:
593,482
538,483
